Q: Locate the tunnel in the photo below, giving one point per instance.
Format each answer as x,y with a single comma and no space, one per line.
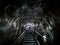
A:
29,22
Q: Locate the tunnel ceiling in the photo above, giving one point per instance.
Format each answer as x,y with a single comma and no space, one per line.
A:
52,5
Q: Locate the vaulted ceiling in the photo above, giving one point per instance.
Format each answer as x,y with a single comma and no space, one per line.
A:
52,5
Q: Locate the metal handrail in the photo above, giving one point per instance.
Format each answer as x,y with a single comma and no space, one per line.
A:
37,33
37,41
19,38
46,21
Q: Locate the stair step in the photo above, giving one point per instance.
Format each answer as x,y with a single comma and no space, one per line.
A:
29,39
29,43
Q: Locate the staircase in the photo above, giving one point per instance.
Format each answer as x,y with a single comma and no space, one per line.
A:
29,39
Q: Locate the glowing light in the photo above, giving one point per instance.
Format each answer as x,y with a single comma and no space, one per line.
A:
50,27
29,26
14,24
44,37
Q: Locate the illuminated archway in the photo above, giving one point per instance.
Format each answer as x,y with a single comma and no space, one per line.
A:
29,26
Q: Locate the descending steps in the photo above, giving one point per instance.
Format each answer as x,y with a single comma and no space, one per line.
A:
29,40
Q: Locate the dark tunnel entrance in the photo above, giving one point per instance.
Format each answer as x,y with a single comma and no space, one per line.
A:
29,22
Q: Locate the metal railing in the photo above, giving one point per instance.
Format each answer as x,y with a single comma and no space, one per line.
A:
19,39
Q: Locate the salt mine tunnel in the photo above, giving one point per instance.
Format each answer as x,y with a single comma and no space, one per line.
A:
29,22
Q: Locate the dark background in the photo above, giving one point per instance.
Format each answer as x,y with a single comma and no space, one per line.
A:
52,5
